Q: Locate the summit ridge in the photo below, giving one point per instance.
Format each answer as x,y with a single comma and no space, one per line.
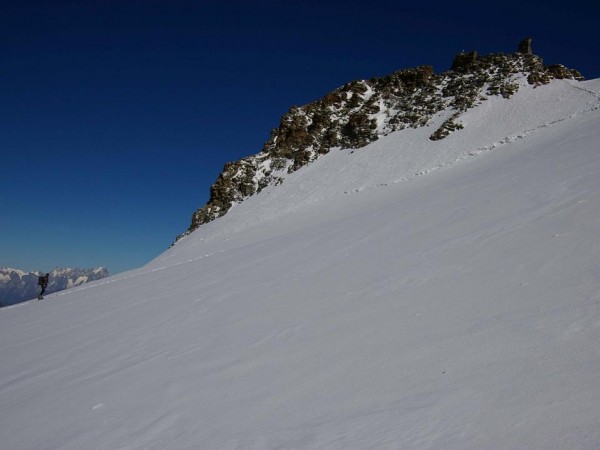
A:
360,112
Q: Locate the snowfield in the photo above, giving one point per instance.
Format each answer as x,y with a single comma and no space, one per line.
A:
355,306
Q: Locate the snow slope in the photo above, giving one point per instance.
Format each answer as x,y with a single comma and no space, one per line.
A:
455,310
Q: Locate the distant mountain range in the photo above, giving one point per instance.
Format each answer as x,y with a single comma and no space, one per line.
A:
17,285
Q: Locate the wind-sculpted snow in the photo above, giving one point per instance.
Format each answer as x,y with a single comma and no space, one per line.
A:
455,310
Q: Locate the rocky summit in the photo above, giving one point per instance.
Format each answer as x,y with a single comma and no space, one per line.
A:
359,112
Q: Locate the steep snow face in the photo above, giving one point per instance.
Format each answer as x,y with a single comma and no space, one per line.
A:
455,310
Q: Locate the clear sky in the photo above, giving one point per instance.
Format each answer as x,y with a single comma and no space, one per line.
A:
117,116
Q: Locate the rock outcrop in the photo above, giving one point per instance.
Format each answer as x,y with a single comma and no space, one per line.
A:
357,113
525,47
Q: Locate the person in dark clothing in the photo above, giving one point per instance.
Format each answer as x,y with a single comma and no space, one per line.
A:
43,282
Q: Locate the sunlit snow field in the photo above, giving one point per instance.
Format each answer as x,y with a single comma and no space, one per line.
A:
407,295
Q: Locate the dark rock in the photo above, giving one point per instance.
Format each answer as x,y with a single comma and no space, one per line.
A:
525,47
463,62
446,128
560,72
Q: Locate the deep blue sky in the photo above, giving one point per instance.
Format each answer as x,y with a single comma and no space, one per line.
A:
117,116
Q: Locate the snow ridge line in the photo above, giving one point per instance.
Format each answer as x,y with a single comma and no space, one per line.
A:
508,139
594,93
504,141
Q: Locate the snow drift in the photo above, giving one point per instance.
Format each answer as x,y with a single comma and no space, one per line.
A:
455,310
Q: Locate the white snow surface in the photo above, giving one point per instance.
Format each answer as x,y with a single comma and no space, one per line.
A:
455,310
77,282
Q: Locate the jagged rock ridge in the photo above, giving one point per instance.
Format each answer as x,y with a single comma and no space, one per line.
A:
17,285
357,113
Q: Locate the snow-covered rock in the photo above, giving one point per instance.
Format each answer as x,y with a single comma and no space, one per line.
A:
364,111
